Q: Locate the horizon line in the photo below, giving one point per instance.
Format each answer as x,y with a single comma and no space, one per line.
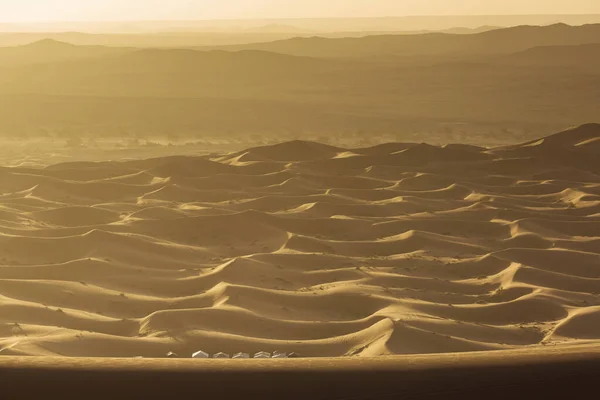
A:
298,18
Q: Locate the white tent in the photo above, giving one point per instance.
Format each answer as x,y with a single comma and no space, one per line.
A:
200,354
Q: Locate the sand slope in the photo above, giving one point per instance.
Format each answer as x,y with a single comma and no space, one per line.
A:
396,249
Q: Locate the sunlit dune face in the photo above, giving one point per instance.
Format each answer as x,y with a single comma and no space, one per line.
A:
396,249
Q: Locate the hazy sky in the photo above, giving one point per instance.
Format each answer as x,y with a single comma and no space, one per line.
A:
73,10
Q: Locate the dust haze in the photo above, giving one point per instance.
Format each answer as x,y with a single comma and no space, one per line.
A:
335,187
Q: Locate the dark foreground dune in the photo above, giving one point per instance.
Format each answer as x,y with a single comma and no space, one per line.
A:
565,372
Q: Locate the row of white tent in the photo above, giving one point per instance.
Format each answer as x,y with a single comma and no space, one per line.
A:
260,354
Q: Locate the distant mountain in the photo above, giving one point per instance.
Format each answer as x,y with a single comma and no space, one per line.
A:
154,40
361,24
585,56
49,45
49,51
276,28
207,37
194,72
501,41
165,72
54,84
469,31
455,31
199,61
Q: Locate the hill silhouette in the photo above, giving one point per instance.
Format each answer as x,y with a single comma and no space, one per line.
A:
48,44
335,24
276,28
584,56
465,31
498,41
540,88
49,51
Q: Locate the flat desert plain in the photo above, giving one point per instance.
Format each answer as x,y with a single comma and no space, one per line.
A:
303,247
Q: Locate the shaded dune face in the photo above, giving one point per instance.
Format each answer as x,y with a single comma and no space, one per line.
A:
304,247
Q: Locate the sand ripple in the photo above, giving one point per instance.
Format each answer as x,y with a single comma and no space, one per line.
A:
304,247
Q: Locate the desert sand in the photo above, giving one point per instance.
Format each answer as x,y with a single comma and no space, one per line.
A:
397,249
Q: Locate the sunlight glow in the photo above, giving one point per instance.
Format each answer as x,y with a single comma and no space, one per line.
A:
116,10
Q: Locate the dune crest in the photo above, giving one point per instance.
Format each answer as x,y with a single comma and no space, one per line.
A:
307,248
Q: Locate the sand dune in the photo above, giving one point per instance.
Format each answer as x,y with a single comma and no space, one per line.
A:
396,249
